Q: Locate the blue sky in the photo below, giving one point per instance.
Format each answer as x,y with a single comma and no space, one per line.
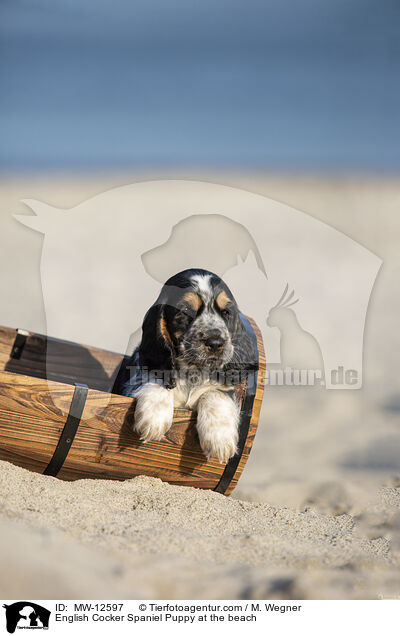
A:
280,84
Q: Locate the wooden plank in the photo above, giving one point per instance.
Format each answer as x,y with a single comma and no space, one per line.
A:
30,419
32,416
60,360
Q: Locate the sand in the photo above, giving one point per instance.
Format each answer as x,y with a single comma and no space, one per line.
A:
147,539
316,513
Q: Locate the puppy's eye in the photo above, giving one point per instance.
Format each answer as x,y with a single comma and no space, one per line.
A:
186,313
225,313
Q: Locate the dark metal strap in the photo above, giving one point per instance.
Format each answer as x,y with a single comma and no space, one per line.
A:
19,344
245,415
69,431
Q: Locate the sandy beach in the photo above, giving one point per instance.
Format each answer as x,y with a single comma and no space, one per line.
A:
316,513
146,539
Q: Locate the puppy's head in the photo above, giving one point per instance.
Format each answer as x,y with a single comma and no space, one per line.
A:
194,323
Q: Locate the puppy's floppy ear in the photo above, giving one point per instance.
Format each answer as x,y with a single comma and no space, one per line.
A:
245,355
156,350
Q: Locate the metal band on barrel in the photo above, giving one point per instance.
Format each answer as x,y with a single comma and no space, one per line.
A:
69,431
19,344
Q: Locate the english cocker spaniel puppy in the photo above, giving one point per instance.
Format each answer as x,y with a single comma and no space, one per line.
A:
194,351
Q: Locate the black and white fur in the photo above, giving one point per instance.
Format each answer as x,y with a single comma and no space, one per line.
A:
193,347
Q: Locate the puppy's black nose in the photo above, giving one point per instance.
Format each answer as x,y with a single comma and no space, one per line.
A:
214,343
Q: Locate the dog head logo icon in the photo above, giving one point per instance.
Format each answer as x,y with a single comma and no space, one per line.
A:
26,615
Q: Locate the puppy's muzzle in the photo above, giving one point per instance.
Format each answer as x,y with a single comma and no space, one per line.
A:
214,342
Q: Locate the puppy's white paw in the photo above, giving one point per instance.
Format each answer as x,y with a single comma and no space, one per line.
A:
154,412
217,425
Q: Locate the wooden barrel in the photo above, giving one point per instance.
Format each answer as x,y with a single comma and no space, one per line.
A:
58,416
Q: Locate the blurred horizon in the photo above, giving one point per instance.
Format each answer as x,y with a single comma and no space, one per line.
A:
284,85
